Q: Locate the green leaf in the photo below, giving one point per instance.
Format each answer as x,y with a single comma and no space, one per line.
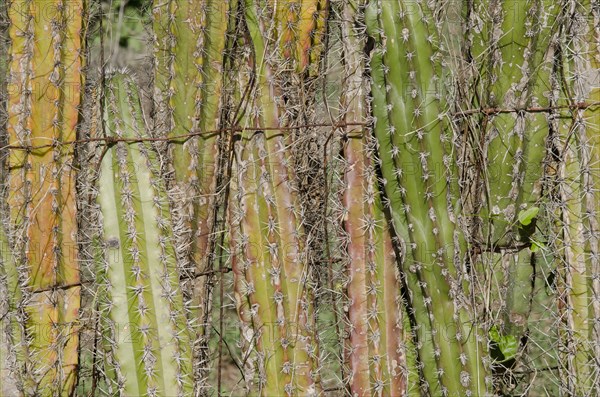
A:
526,216
508,344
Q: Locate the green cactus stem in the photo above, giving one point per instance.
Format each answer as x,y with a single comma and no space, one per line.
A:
579,185
44,89
148,344
512,45
415,148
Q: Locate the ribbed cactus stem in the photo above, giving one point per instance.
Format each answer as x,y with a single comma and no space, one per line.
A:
149,342
375,351
272,239
190,39
422,329
513,52
416,136
579,187
44,88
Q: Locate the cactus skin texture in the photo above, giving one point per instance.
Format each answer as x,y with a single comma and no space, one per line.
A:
375,336
190,39
415,149
512,47
269,251
44,86
579,174
148,343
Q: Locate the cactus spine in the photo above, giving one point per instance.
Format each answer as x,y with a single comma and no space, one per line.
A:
44,86
579,189
148,343
375,335
411,131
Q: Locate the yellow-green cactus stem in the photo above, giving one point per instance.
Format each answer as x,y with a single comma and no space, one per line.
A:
44,89
146,334
271,241
579,189
190,39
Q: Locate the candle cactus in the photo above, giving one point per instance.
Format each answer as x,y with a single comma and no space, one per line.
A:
190,39
44,84
375,350
577,143
269,250
145,330
512,50
418,167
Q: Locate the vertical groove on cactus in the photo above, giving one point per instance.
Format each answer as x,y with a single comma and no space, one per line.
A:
145,328
406,68
375,352
578,186
190,38
44,94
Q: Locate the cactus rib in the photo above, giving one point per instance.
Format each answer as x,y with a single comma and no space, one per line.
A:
578,186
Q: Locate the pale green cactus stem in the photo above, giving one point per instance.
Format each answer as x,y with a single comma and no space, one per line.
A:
375,353
417,164
579,191
44,88
12,352
271,238
512,47
146,335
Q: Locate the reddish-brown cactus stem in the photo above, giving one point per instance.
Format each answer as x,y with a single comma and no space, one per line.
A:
390,313
376,357
45,83
357,267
